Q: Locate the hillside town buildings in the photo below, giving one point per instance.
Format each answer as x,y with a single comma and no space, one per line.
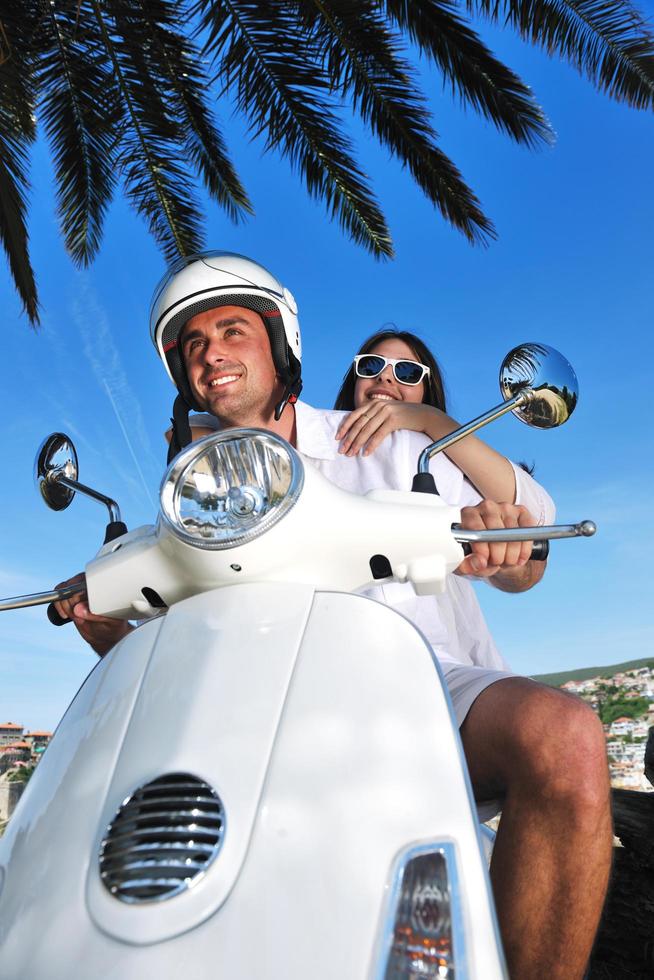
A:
19,750
10,732
626,735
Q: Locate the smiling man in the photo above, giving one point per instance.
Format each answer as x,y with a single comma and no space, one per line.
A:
228,334
229,366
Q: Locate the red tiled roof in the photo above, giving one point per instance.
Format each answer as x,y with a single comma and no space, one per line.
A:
16,745
11,724
38,734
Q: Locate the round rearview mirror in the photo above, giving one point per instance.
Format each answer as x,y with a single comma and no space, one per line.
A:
546,372
56,458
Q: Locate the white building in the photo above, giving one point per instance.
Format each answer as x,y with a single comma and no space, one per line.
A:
622,726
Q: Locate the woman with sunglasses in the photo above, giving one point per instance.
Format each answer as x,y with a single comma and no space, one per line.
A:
395,383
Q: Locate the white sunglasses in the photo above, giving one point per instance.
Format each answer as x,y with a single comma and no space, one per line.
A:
405,372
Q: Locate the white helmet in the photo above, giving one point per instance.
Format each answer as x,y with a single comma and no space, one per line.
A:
202,282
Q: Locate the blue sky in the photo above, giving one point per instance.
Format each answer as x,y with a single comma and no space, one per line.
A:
572,268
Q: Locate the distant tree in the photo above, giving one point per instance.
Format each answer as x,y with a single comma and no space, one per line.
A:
123,91
21,775
614,708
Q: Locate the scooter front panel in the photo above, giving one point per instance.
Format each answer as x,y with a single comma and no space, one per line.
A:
209,707
367,763
48,844
332,757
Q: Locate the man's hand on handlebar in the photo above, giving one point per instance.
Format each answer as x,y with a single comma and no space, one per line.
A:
100,632
508,562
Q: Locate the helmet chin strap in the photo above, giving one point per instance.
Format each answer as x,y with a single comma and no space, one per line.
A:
290,396
181,435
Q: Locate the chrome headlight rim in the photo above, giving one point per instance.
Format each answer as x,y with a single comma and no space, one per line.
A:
183,463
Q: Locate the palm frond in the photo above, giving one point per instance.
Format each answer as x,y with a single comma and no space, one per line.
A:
13,227
608,41
266,60
81,112
17,133
480,79
363,61
186,83
156,180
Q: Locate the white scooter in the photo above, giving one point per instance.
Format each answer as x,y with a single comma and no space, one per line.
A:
263,779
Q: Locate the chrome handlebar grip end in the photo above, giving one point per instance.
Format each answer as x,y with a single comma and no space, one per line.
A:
584,529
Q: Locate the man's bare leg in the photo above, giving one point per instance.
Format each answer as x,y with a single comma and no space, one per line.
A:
544,752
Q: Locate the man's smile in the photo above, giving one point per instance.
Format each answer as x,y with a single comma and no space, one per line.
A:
223,379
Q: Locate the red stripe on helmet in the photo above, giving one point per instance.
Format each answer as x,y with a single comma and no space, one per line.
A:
170,345
271,313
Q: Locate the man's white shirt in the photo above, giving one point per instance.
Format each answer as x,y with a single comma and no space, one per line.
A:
453,623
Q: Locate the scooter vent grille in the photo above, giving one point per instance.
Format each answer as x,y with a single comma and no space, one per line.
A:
162,839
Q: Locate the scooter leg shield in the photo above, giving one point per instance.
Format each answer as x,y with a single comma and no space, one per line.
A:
367,765
319,721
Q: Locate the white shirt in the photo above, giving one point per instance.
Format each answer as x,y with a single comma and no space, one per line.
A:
453,623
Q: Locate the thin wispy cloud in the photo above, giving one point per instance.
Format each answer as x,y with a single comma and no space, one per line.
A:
19,580
104,357
125,433
62,405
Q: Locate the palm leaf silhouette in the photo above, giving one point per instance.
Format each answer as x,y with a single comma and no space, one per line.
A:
125,92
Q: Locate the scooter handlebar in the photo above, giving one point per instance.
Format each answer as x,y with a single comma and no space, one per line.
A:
55,618
65,593
41,598
539,551
541,535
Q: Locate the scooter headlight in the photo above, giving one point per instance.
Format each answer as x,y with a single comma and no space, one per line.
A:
230,487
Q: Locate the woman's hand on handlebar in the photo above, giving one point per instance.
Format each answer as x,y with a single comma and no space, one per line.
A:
100,632
487,559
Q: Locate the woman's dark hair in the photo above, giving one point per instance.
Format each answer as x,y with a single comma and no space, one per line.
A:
434,386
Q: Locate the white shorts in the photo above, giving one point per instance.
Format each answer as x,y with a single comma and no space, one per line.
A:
465,683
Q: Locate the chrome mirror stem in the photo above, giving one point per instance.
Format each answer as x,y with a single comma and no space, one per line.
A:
111,505
465,430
